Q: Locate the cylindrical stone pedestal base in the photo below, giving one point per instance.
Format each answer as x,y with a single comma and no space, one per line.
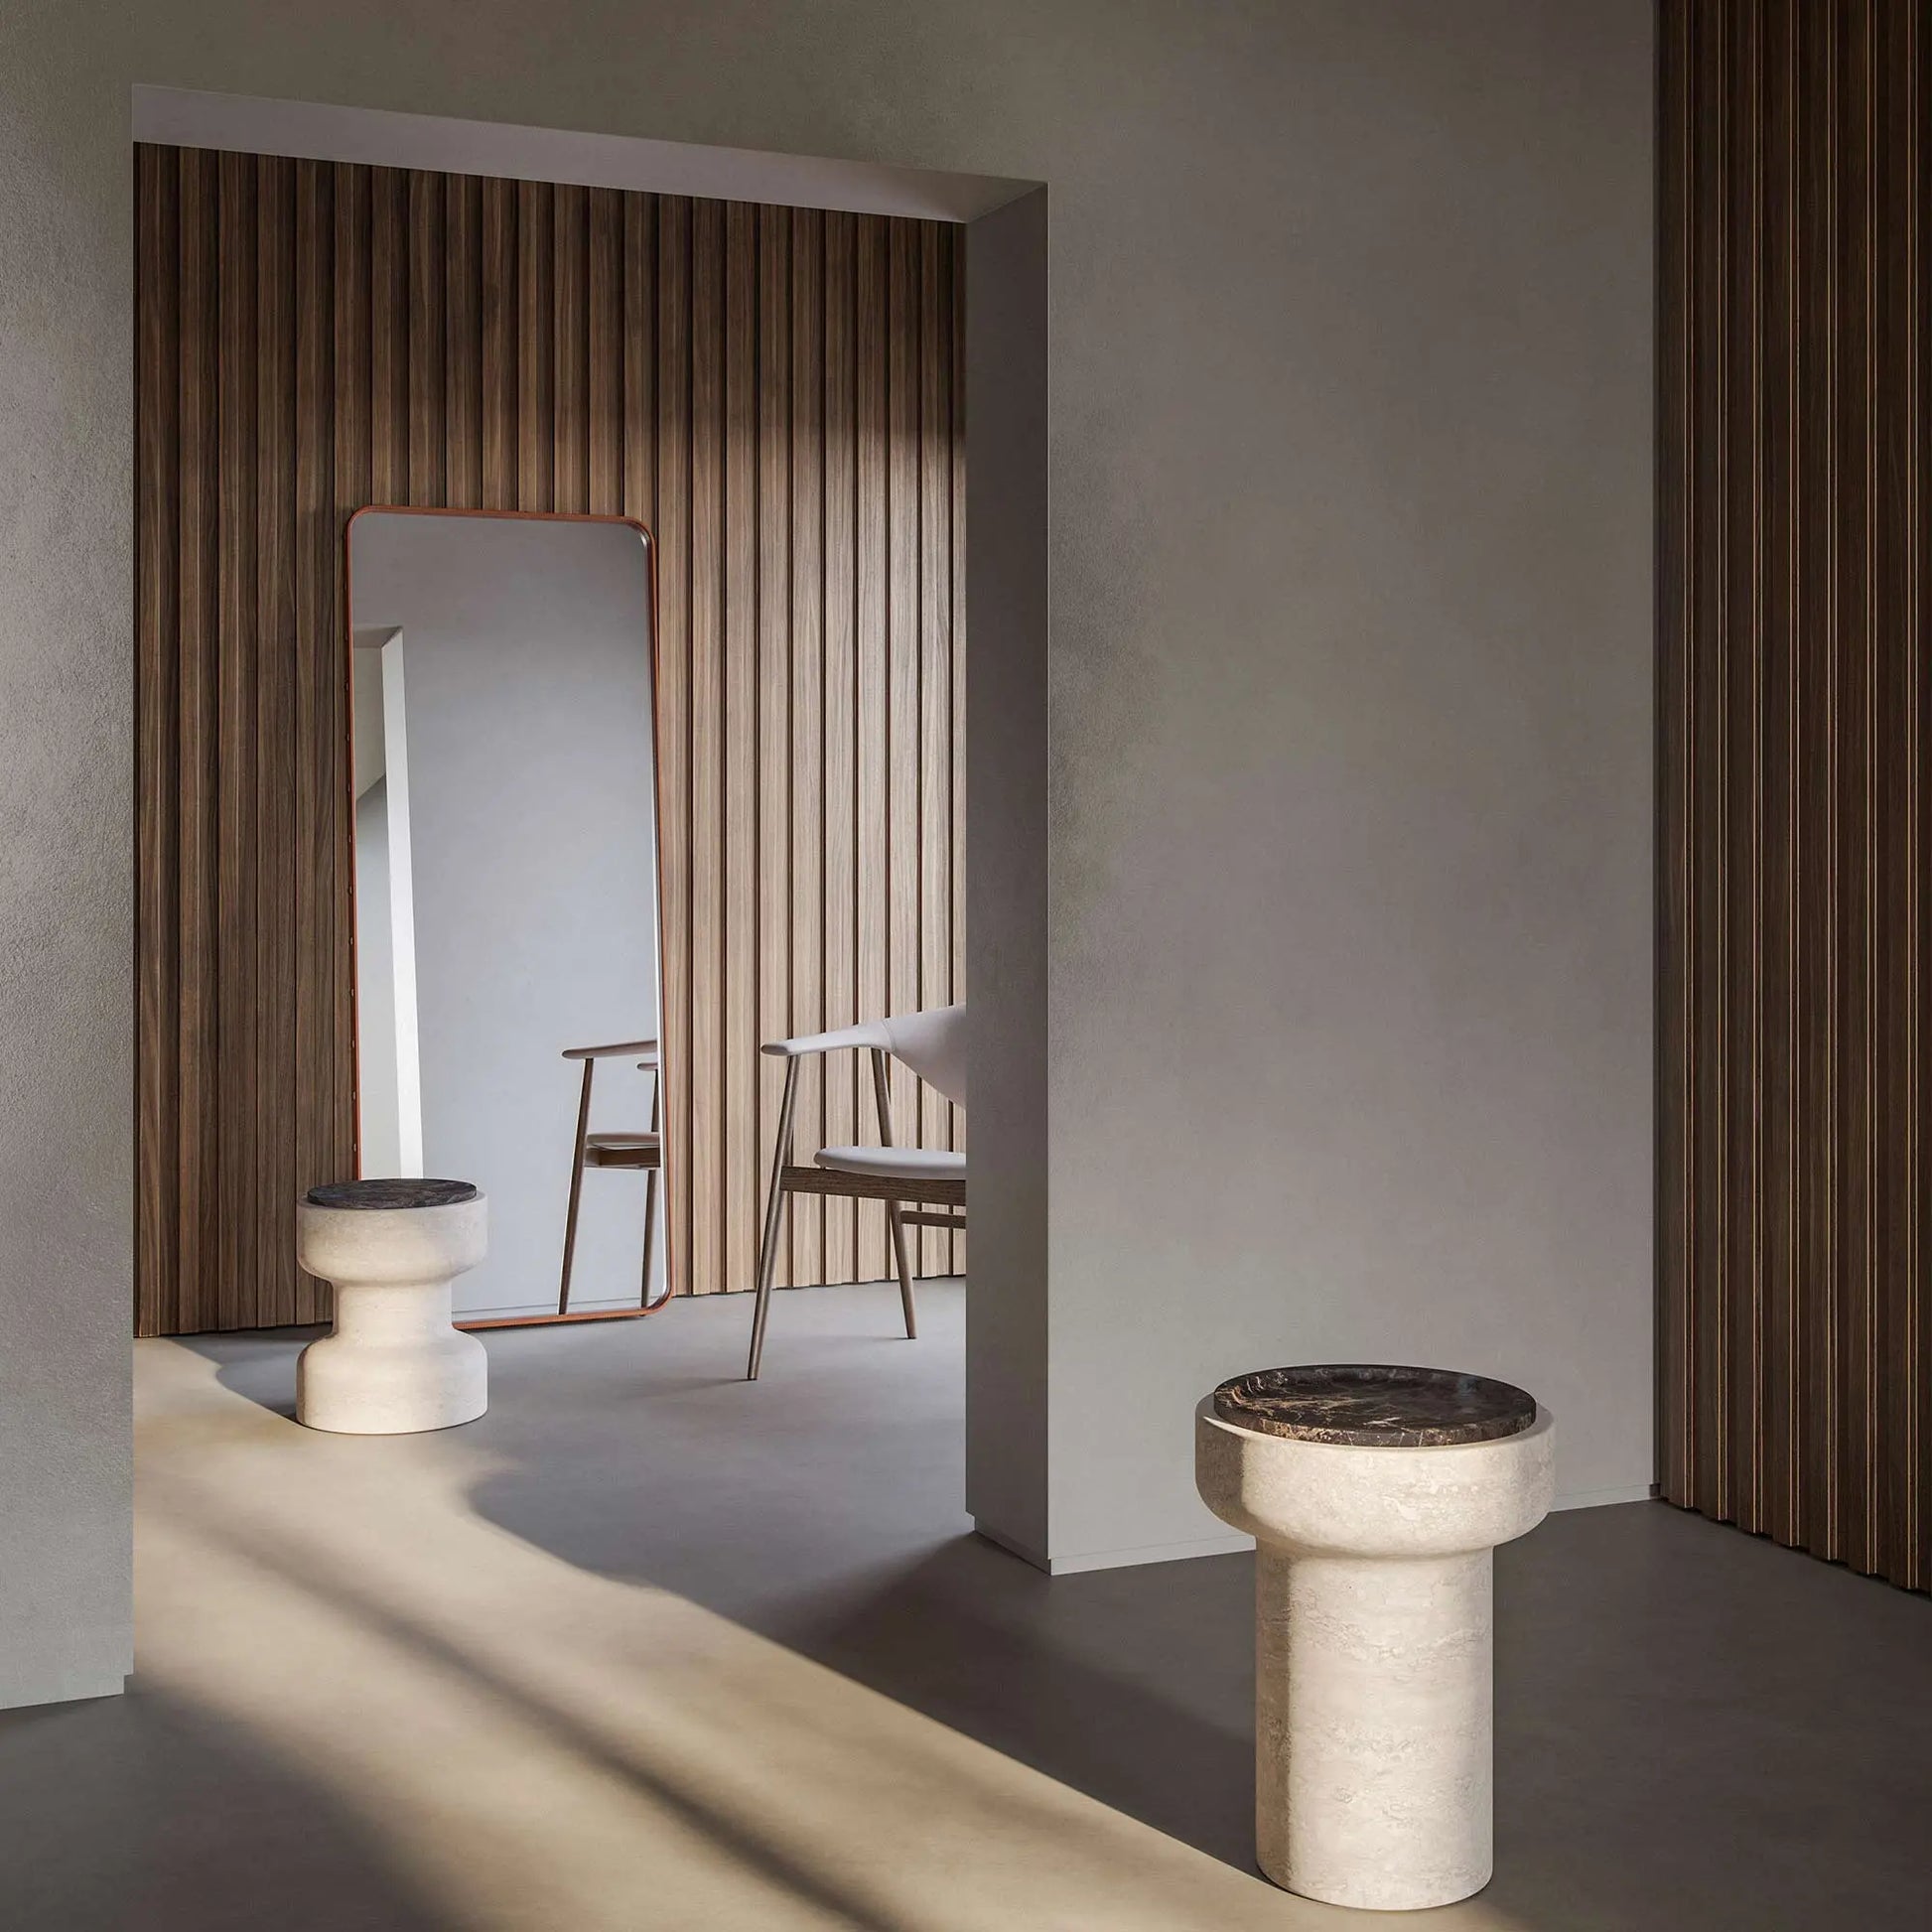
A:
393,1366
1372,1646
1372,1757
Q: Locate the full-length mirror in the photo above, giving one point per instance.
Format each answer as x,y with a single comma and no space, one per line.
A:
507,892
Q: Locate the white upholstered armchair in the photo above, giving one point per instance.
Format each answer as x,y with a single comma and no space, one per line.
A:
912,1181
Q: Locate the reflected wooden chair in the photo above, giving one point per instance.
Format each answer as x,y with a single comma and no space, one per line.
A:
912,1181
639,1153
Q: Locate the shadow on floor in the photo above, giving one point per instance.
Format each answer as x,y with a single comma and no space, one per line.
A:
136,1813
258,1363
1697,1732
366,1610
1132,1689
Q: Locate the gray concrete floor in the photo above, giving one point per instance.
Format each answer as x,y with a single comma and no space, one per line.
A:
1696,1731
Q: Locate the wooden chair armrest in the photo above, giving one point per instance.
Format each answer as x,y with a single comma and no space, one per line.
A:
647,1047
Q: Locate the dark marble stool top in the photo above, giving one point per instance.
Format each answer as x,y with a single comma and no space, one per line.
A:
392,1194
1370,1406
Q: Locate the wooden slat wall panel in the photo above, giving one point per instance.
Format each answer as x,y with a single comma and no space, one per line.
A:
840,715
806,631
777,394
1795,314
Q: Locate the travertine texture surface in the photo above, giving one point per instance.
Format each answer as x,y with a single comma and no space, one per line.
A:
1372,1650
393,1366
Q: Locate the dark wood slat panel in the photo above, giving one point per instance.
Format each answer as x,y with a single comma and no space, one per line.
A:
606,371
194,779
237,1069
277,678
462,271
776,392
673,529
570,481
498,303
388,335
1793,807
739,693
321,1102
428,341
639,326
710,1097
536,429
157,696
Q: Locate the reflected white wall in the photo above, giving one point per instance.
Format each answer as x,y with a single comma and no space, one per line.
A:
526,748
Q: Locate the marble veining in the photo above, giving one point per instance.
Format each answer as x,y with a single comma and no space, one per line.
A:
388,1195
1375,1406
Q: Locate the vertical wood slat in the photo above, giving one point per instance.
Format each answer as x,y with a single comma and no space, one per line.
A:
321,1081
461,270
772,768
237,1068
934,563
535,447
1795,1380
429,366
277,678
672,484
870,786
740,694
499,371
901,753
710,1096
840,700
775,392
569,345
805,629
198,1257
606,371
159,1137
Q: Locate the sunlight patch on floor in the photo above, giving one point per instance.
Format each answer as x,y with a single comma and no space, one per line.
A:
539,1746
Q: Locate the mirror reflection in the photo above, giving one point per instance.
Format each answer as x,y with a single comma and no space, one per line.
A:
506,909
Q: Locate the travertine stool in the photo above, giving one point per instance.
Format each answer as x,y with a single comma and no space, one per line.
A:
1375,1496
394,1364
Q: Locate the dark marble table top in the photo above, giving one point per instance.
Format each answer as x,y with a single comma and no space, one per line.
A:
1371,1405
392,1194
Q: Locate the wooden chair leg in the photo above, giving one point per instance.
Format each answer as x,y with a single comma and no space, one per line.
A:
895,1220
650,1243
774,1204
576,1187
650,1214
895,1211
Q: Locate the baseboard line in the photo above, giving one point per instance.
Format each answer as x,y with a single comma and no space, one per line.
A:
1228,1543
1637,1493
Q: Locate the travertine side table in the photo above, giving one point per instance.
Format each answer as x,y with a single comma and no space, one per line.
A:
1375,1496
394,1364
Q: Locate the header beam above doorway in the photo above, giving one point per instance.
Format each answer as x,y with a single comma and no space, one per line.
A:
183,117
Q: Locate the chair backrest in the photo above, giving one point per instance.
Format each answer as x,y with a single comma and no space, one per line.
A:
933,1044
